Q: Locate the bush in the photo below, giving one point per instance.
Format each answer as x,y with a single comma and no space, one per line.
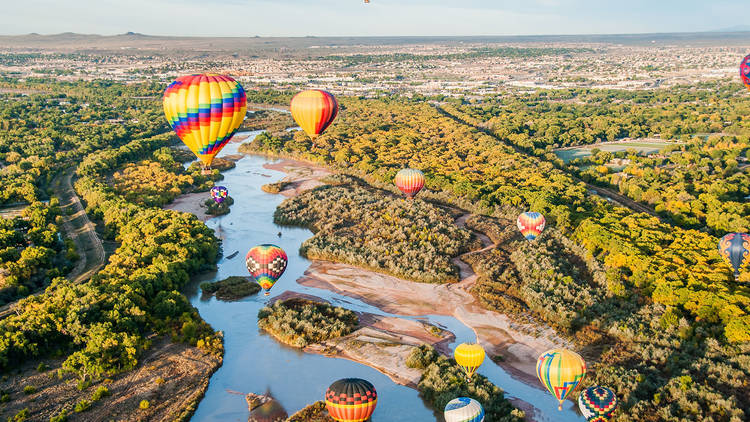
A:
231,288
82,406
29,389
100,393
144,404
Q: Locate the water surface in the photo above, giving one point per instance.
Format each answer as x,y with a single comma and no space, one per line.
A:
255,362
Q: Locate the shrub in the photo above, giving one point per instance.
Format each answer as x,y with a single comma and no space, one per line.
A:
100,393
144,404
29,389
82,406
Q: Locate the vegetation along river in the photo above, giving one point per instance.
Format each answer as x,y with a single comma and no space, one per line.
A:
255,362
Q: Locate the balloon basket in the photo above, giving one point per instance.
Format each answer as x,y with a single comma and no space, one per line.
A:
267,294
206,171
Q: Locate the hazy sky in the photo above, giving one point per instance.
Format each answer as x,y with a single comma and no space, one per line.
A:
380,17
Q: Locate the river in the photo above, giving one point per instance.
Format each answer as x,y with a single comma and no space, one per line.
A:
256,362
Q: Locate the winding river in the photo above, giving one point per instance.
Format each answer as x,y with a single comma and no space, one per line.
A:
255,362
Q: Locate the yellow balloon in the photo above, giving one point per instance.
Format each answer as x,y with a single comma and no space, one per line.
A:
469,357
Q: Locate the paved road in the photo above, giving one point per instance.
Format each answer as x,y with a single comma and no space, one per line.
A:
77,226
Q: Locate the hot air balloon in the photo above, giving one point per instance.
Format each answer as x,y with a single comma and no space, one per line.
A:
409,181
561,371
531,224
597,404
745,71
463,409
266,264
219,194
351,399
735,248
205,111
314,110
469,357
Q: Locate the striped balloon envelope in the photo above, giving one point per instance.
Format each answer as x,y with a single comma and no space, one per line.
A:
314,110
266,263
409,181
205,111
469,356
560,371
735,249
219,194
745,71
351,400
463,409
597,404
530,224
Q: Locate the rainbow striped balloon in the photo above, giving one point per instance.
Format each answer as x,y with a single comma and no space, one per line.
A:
266,264
561,371
463,409
205,111
409,181
597,404
314,110
531,224
745,71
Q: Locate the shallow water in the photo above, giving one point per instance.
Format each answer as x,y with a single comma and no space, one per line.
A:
255,362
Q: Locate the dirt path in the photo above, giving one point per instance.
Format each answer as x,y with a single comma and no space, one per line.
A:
76,226
466,273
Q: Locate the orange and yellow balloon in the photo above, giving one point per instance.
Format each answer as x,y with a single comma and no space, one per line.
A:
205,111
314,110
469,356
561,371
409,181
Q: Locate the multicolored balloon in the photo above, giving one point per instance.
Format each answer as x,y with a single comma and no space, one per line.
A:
205,111
314,110
561,371
597,404
351,400
469,356
219,194
409,181
266,264
530,224
735,248
463,409
745,71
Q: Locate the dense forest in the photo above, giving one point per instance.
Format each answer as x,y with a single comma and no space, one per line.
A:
650,303
101,326
443,380
301,322
362,226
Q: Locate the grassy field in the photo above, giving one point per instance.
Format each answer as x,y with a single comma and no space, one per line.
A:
647,147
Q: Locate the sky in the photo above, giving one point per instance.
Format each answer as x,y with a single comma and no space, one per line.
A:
354,18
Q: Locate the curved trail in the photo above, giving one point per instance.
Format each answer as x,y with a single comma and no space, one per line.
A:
80,229
465,272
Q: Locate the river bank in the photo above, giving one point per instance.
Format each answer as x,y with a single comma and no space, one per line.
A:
517,345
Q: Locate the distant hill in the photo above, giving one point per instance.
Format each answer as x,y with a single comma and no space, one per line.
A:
137,43
736,28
